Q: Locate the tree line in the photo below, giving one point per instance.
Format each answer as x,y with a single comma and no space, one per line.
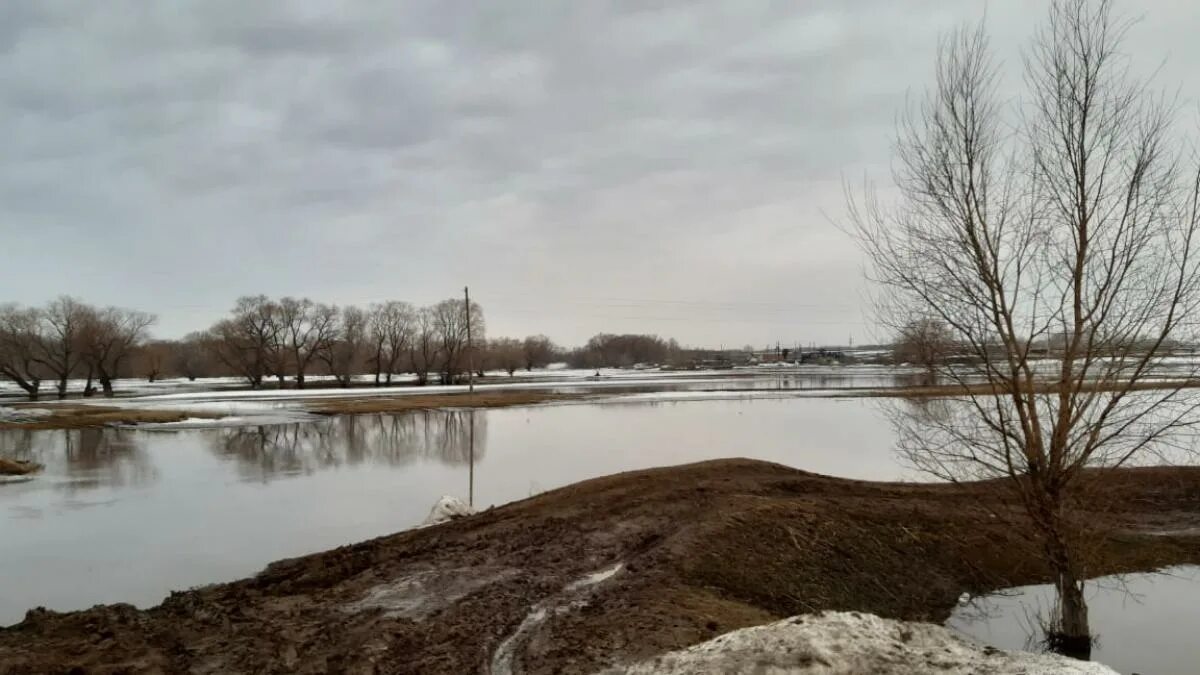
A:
284,342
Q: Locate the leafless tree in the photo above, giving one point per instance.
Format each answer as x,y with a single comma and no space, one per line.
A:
154,359
19,339
507,354
307,329
390,327
109,337
248,342
538,351
58,344
423,353
343,356
450,324
924,342
1079,217
188,358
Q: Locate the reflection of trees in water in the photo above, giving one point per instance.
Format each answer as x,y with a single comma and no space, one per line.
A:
89,457
264,451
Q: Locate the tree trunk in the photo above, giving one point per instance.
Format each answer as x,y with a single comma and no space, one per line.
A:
300,379
1069,632
106,385
62,387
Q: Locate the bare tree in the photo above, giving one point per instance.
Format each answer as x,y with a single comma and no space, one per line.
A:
390,328
343,356
155,358
248,343
109,338
188,358
307,328
423,353
507,354
19,341
538,351
450,324
924,342
1078,218
58,343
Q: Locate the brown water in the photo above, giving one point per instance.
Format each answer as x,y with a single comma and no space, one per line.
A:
122,515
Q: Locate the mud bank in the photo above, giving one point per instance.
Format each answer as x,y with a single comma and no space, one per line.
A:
610,571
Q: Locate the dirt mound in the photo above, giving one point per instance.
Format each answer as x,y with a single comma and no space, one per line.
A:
613,570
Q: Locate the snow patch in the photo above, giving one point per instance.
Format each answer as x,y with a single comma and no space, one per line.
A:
418,595
22,414
504,659
834,643
594,578
446,509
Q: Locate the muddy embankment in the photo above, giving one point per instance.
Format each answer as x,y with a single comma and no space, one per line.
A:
611,570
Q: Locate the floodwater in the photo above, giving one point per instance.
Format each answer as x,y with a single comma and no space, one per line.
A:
127,516
1144,623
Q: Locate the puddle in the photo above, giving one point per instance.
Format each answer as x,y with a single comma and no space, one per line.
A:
1144,623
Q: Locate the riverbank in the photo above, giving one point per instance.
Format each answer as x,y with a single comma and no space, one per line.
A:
610,570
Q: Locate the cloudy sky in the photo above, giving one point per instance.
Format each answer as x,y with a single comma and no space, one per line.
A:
584,166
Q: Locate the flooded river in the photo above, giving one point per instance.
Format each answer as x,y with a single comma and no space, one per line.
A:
127,516
121,515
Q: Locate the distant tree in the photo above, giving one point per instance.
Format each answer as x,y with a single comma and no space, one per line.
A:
307,328
423,352
248,342
344,356
508,354
924,342
155,358
450,326
109,338
19,341
538,351
58,347
390,329
188,357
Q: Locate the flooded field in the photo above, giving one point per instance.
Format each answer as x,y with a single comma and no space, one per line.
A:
1144,623
124,515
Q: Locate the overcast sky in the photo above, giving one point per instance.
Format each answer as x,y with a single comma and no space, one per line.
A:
584,166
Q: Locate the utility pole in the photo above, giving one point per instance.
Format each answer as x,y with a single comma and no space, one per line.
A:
470,355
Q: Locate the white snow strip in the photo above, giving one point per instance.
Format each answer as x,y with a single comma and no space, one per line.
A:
504,659
19,414
594,578
848,643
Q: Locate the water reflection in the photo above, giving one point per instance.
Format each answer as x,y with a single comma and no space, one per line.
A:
264,452
130,515
1143,622
87,458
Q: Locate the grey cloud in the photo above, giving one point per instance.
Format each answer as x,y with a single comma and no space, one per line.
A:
172,156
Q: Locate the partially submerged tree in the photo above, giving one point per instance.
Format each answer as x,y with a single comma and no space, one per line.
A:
1077,219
